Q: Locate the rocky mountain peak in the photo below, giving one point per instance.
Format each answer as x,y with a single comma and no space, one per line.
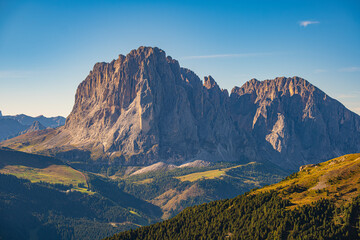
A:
144,108
143,104
209,82
283,85
291,114
145,52
35,126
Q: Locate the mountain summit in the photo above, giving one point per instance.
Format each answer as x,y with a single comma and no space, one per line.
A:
144,108
294,121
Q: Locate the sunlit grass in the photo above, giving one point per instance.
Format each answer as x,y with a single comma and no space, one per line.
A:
211,174
147,180
135,213
53,174
337,179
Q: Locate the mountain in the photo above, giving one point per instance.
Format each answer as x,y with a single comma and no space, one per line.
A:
294,122
12,126
143,108
321,201
34,127
140,109
9,128
51,122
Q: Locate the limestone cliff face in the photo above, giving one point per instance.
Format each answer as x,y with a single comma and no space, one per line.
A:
144,108
294,122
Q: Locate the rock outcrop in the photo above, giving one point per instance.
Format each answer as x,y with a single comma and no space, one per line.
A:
144,108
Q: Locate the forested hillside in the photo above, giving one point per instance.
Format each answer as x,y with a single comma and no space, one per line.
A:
43,198
261,216
330,210
43,211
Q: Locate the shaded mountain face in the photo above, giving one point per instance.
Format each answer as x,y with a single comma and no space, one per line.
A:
144,108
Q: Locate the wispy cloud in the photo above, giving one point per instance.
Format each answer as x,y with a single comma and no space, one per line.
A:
347,96
235,55
350,97
307,23
350,69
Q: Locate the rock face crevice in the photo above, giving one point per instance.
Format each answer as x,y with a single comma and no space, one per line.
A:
144,108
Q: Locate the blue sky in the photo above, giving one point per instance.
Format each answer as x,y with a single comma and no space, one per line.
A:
48,47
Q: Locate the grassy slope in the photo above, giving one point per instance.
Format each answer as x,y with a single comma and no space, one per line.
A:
211,174
177,189
337,179
38,168
52,209
22,143
38,211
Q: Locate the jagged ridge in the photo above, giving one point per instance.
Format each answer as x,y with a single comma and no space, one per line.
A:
144,108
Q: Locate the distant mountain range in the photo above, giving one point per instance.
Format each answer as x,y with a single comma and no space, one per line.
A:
144,108
12,126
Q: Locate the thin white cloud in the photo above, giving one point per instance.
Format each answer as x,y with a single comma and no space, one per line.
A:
350,69
347,96
307,23
236,55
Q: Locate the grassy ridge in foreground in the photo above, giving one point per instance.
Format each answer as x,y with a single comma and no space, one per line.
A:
320,202
337,179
